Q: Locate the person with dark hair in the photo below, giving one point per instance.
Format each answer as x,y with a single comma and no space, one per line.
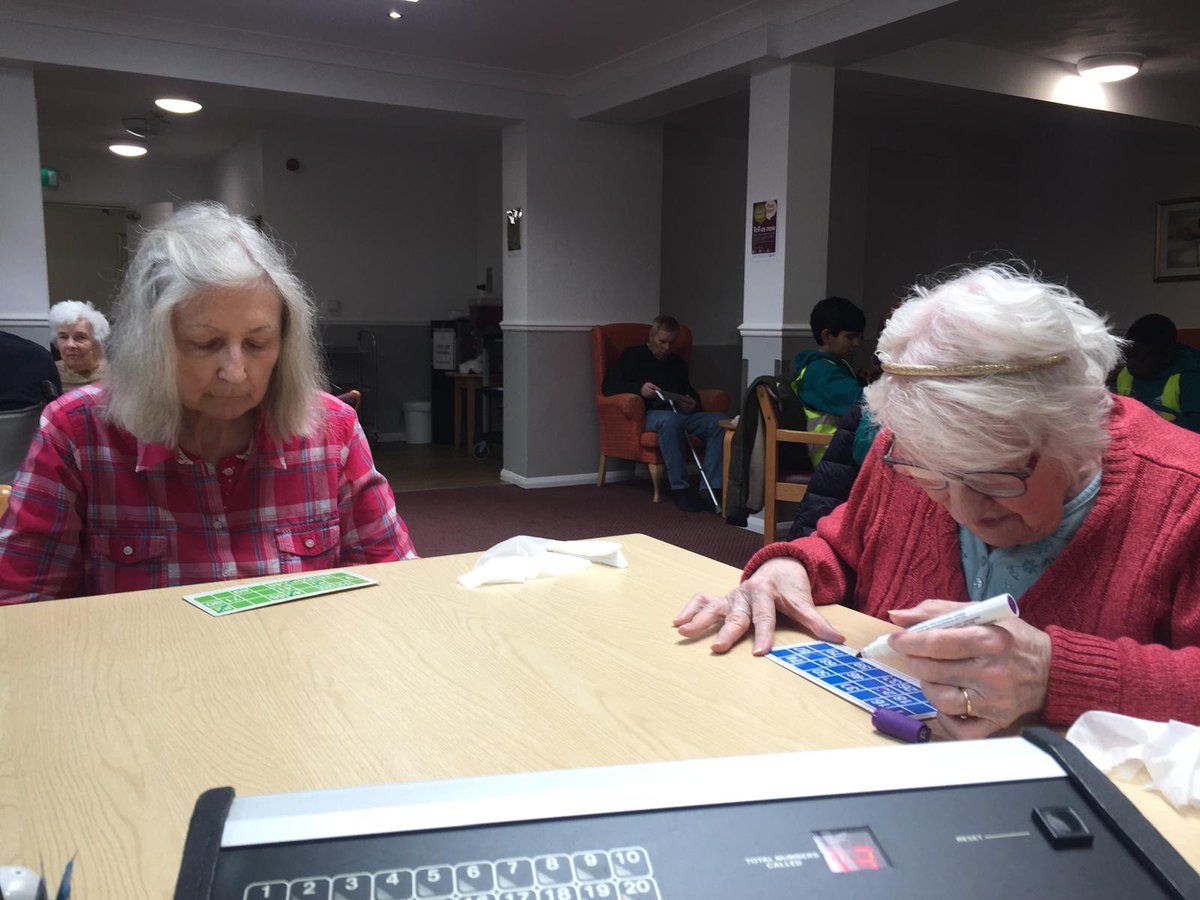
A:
658,375
1161,372
26,367
825,380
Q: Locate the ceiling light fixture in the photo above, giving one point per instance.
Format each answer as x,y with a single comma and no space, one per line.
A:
1109,66
178,105
129,149
394,15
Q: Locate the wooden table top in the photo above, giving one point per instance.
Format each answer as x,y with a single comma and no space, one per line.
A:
116,712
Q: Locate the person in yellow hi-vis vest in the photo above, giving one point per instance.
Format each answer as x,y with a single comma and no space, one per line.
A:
825,381
1162,373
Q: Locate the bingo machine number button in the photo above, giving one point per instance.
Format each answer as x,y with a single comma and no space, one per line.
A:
352,887
552,870
434,881
395,884
309,889
1062,826
474,878
514,874
592,866
266,890
630,862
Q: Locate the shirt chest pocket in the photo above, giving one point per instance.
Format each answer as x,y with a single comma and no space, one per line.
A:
305,548
130,549
127,561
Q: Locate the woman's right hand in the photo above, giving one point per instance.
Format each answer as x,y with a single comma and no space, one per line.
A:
778,584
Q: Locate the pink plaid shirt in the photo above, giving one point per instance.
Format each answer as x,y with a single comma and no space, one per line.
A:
94,510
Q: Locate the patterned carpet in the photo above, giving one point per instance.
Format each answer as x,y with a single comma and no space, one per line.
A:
469,519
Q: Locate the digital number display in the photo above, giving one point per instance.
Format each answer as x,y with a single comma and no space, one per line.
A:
851,850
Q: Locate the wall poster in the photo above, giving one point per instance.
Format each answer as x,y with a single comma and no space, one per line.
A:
762,228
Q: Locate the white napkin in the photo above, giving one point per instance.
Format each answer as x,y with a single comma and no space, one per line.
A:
523,557
1123,746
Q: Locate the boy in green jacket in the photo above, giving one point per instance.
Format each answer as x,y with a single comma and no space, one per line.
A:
825,381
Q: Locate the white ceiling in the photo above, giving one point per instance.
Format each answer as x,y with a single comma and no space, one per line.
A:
556,38
557,45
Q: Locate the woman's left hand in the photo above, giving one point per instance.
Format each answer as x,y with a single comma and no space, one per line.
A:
1003,669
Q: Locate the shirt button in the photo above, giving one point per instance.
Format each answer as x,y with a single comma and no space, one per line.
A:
219,521
310,543
128,551
978,582
229,470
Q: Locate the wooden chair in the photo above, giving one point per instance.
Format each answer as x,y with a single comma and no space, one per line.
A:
779,481
17,428
351,399
623,433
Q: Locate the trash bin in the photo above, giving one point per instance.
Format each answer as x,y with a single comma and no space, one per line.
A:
418,422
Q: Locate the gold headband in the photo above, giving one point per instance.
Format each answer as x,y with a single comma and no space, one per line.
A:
970,370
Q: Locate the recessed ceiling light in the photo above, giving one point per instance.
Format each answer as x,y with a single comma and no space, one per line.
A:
1109,66
178,105
394,15
128,148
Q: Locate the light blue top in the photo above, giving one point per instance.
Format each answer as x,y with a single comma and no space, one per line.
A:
1011,570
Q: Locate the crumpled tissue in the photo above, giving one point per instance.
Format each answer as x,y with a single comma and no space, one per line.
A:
1122,746
523,557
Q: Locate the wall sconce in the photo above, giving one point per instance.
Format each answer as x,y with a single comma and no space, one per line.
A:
514,227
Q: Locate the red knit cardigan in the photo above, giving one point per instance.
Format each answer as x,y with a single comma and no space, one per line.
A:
1121,603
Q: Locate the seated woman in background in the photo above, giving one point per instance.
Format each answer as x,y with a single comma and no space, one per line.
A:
80,331
1004,466
210,452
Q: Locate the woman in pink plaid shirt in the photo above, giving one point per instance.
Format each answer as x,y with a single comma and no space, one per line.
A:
211,451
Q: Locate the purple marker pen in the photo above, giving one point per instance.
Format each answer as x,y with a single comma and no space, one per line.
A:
898,725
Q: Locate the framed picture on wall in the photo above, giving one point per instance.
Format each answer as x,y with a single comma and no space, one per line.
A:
1177,240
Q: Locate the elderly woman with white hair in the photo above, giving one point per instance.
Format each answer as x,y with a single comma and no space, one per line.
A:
80,331
1004,465
210,452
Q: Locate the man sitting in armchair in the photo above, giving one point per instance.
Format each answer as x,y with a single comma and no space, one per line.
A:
658,376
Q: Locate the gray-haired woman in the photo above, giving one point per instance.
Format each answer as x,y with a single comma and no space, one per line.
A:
80,331
210,452
1004,466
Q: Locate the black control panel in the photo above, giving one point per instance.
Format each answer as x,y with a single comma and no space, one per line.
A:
981,841
1011,817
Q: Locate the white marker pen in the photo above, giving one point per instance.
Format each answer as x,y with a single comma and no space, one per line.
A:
985,612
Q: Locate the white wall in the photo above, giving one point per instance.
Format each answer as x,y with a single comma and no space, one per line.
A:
704,222
23,285
238,177
489,214
594,214
85,252
703,256
921,184
1087,208
379,234
110,180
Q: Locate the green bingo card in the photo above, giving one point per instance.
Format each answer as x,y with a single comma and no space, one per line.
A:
281,590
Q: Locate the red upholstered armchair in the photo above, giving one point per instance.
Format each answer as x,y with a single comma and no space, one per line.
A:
623,433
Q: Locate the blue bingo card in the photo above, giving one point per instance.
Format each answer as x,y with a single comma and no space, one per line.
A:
863,682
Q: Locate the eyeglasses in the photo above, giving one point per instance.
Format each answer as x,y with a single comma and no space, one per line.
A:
1010,483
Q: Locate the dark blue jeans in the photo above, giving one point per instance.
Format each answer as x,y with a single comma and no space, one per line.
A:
673,429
